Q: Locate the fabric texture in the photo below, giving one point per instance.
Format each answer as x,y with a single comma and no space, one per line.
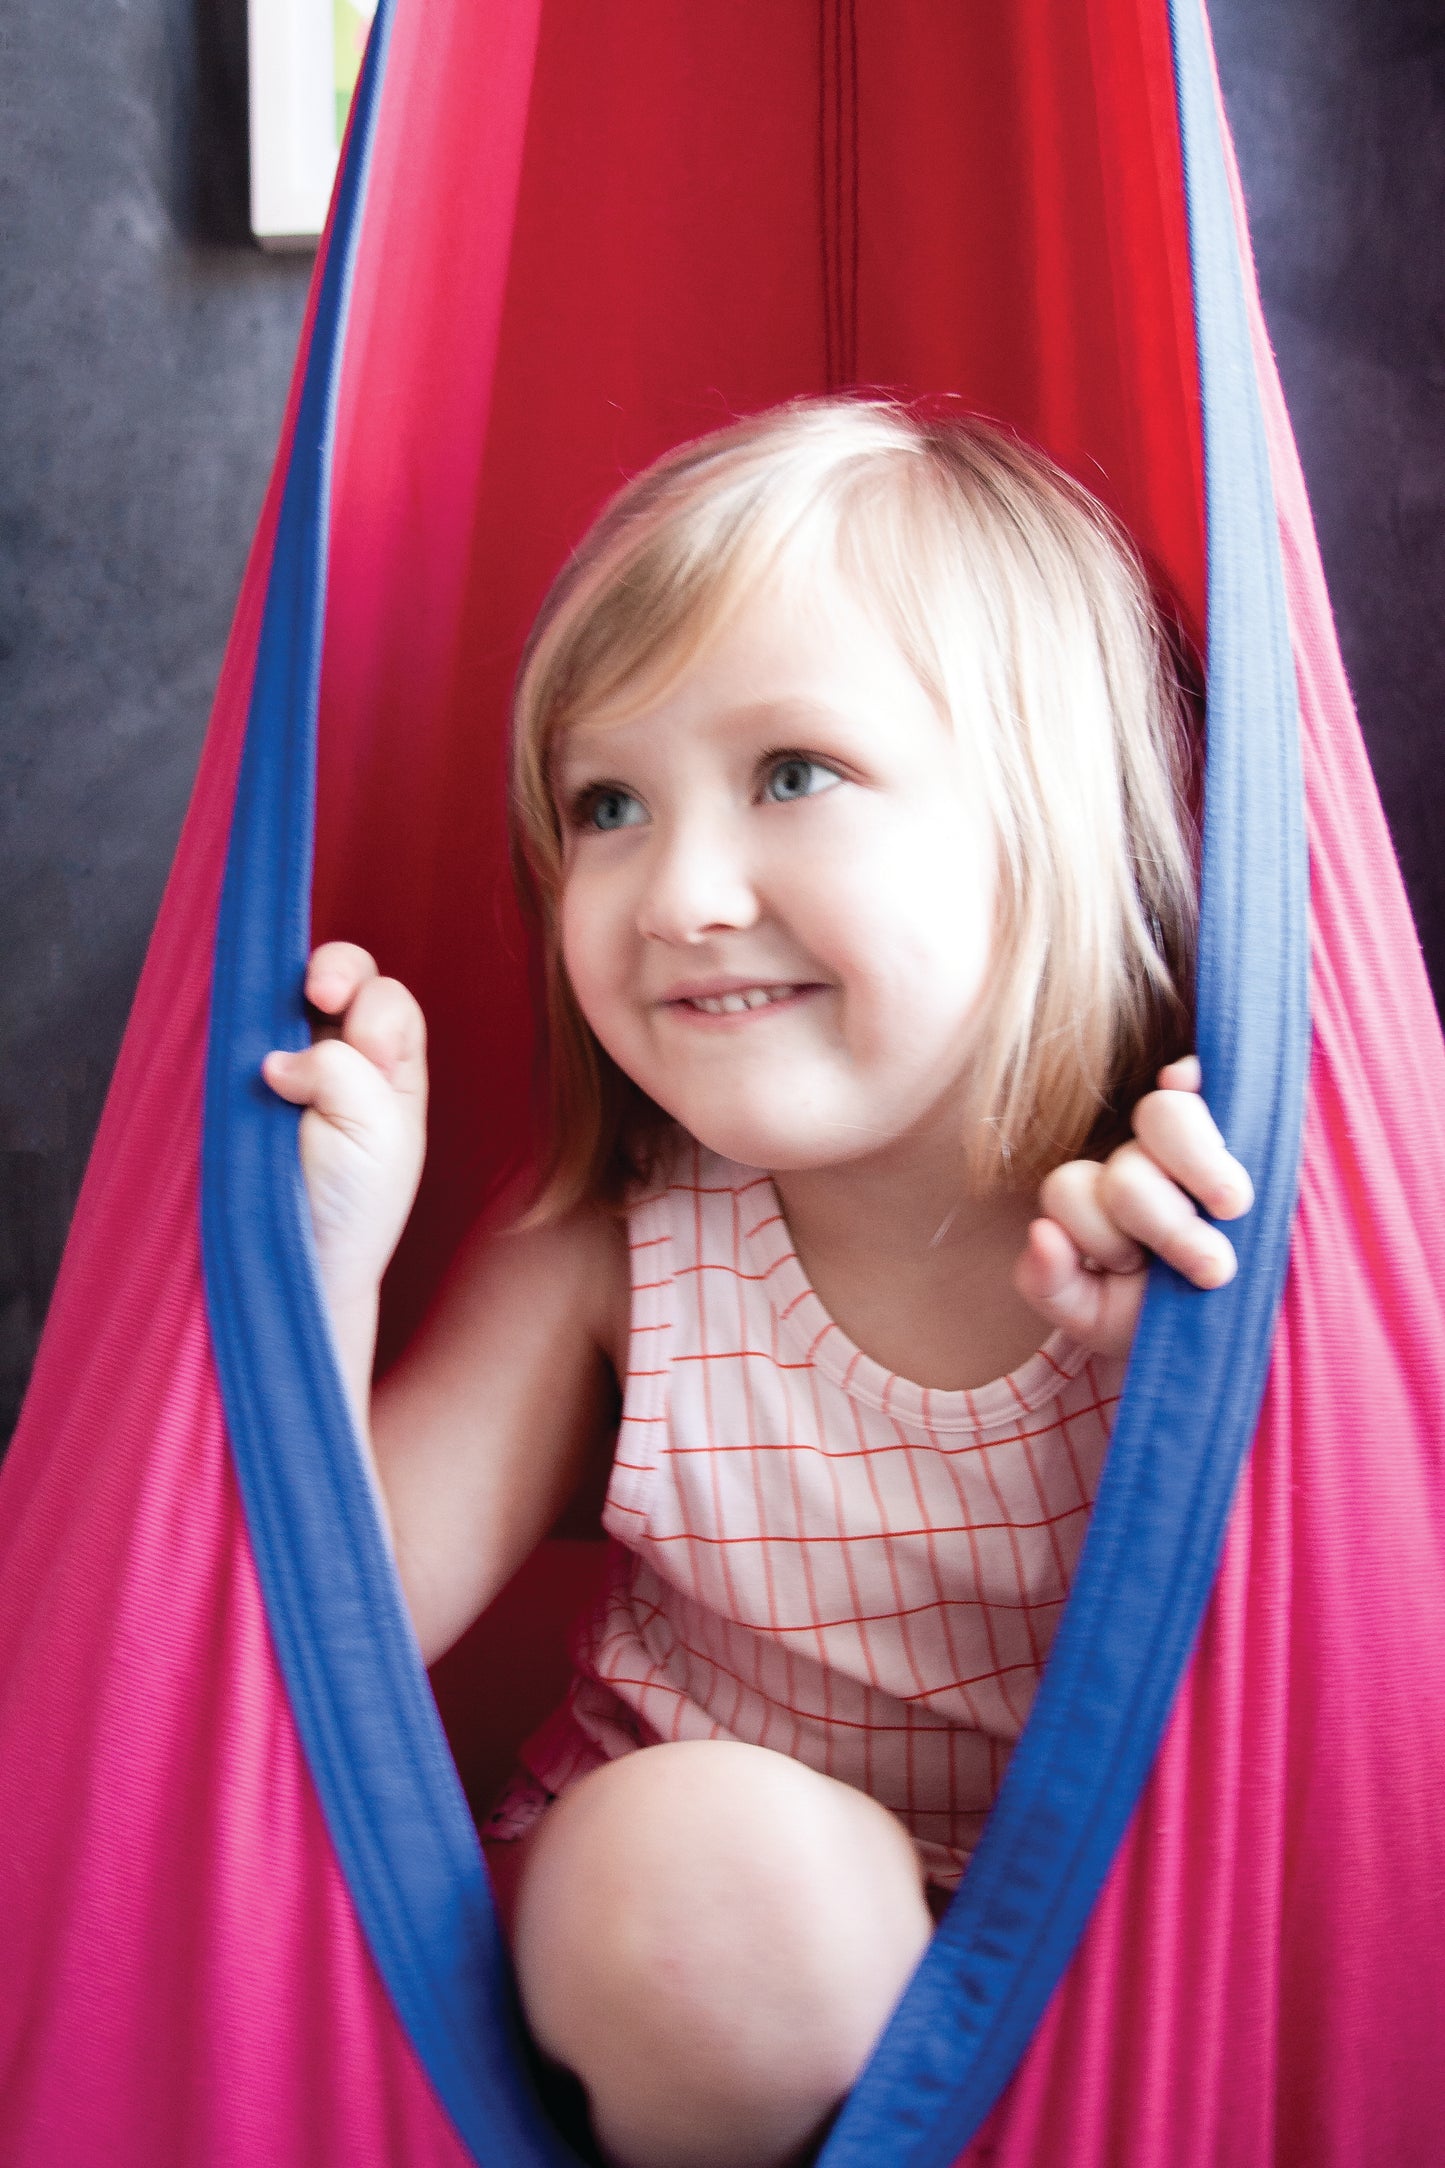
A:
813,1555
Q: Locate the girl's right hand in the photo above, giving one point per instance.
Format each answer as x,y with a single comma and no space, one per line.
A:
363,1084
503,1401
1084,1269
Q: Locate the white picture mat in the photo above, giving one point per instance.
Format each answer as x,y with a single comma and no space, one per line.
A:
292,119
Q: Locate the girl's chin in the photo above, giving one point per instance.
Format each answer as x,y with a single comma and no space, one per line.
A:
780,1146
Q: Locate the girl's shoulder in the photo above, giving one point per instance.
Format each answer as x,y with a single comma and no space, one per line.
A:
587,1256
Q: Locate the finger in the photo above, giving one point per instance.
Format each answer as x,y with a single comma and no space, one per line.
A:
1178,1132
1071,1195
385,1024
341,1084
1140,1197
1184,1075
278,1070
334,973
1098,1309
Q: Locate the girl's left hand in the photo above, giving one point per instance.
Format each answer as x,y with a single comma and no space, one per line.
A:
1084,1267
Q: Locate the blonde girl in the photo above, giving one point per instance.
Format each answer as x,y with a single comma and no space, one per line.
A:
851,797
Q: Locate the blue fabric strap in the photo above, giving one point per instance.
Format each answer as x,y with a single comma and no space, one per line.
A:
368,1724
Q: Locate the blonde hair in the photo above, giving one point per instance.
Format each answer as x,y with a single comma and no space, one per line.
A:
1025,613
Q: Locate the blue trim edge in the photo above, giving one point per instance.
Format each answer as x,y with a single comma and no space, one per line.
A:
387,1783
1199,1364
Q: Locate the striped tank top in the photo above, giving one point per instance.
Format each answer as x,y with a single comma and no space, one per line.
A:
810,1553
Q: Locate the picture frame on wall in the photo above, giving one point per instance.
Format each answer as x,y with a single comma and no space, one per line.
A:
304,57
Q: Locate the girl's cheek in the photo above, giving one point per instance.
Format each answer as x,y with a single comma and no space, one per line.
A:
587,951
570,944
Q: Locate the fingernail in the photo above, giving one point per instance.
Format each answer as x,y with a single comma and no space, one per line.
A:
1236,1194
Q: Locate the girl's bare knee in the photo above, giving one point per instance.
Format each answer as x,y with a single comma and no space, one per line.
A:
712,1937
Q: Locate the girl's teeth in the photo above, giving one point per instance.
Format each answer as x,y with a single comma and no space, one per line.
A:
755,997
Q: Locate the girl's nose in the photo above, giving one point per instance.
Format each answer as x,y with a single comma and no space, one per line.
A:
698,882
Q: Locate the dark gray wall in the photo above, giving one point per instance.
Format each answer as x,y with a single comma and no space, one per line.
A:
144,354
145,349
1338,112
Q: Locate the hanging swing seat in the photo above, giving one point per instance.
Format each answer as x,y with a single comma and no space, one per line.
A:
246,1914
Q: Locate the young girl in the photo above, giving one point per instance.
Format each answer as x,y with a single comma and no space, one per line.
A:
849,786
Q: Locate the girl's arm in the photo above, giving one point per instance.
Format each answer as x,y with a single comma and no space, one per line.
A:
500,1408
507,1395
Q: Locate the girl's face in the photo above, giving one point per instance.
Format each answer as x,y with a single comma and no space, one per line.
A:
778,889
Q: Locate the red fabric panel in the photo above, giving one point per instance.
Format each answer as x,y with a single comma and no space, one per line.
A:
1022,244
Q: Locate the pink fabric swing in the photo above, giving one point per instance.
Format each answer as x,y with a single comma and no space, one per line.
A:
585,238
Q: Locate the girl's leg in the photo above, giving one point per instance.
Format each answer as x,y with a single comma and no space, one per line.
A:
711,1937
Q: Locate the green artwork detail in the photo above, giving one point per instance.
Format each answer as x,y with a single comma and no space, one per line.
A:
350,22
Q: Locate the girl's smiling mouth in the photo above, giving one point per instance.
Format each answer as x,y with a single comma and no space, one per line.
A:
722,999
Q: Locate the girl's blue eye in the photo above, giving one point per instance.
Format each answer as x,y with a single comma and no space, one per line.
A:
608,807
793,775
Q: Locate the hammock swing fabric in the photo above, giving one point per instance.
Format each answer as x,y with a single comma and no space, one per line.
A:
245,1915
